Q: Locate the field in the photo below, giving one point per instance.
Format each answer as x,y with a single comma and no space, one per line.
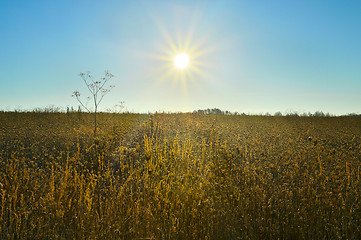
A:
179,176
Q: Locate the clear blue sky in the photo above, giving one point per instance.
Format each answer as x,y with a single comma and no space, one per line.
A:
246,56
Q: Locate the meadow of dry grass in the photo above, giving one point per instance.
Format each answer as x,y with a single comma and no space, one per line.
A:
179,176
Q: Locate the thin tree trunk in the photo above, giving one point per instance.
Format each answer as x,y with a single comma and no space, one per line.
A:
95,124
95,115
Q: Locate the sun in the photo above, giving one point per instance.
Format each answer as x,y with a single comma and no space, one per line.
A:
181,61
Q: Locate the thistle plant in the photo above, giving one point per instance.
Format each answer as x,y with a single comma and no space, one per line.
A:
97,89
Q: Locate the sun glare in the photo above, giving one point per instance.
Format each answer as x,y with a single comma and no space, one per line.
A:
181,61
181,58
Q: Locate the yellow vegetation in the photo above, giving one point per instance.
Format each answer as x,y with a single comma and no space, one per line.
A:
179,176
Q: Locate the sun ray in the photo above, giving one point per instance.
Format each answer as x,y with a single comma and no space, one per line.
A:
181,57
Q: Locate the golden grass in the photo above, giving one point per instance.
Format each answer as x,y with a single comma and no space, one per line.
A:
179,176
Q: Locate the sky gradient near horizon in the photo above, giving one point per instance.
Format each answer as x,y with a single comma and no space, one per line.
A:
246,56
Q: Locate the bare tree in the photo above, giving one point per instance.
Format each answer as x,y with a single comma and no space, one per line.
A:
97,89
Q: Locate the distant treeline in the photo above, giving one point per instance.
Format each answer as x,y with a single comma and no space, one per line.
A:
277,114
214,111
55,109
